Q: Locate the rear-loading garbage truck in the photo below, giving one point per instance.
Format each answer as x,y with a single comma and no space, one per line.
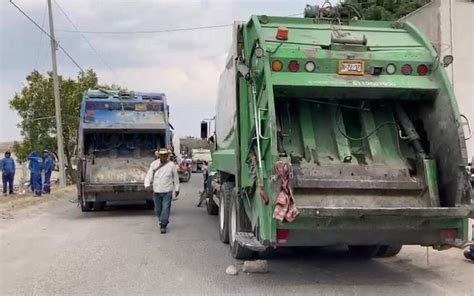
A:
337,131
117,137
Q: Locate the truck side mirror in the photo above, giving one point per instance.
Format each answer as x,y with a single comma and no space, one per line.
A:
204,129
211,140
447,60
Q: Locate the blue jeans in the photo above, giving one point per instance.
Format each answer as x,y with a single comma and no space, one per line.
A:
162,202
7,178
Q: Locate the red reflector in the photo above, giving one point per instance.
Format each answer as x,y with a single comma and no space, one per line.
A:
90,113
282,33
407,69
449,235
293,66
422,70
282,236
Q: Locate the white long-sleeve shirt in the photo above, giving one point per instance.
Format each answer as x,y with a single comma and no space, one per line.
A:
166,179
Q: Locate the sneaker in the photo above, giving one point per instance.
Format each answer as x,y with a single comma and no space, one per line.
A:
163,229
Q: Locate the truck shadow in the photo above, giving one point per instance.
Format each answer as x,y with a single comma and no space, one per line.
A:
120,209
335,266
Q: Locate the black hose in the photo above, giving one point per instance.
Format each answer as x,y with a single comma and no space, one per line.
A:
354,9
338,108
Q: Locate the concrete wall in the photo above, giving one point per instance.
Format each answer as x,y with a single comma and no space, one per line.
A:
463,68
449,24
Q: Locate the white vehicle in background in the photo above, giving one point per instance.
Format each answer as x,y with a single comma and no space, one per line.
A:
198,157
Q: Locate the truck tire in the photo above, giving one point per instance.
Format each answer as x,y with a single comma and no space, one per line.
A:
150,204
225,195
185,177
386,251
238,222
364,251
99,205
86,206
211,206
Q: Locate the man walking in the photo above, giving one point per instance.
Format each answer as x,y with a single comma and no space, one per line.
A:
36,166
8,173
164,175
48,169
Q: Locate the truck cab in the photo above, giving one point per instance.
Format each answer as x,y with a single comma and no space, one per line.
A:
199,157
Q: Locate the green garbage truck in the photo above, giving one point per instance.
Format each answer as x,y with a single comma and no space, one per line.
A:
334,130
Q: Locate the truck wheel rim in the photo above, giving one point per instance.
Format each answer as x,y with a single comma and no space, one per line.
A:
221,213
233,223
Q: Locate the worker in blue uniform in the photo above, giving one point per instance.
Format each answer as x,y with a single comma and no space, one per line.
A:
32,188
8,173
48,169
36,167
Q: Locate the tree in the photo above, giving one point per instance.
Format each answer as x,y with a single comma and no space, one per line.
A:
35,105
387,10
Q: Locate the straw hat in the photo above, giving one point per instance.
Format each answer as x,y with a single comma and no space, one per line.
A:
162,151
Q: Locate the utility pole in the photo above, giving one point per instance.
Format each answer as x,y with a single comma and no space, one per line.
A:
57,102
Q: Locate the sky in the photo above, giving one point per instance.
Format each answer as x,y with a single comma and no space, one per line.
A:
184,65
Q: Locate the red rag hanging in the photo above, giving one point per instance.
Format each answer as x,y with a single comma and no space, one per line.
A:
285,207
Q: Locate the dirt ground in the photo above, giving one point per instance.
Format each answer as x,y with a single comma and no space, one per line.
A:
11,203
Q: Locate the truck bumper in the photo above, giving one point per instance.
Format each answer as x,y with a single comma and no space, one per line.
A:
116,192
363,226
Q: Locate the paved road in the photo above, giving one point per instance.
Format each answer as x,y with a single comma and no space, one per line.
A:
53,248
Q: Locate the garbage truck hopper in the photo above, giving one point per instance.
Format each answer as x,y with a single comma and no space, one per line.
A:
333,131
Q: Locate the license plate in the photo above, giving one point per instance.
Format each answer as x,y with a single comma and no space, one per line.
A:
351,67
140,107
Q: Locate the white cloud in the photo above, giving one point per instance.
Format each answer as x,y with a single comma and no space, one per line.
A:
184,65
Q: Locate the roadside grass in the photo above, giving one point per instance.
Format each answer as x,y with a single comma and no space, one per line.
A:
22,200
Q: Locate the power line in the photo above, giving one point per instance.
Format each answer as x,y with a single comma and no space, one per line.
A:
41,36
85,38
158,31
150,31
51,38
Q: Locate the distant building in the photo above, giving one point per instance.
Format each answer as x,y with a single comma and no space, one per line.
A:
189,143
449,24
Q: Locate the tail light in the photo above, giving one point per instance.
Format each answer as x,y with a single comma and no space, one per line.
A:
282,236
422,70
152,107
282,33
91,106
449,235
309,66
391,69
277,66
293,66
407,69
